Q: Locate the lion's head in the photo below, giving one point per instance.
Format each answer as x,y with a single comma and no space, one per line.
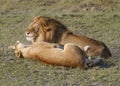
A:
45,29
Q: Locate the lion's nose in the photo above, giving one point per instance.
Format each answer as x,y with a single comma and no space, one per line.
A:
27,33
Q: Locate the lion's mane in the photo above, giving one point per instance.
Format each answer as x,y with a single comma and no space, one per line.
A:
50,30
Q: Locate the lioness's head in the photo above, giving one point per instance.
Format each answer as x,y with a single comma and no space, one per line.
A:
17,49
44,29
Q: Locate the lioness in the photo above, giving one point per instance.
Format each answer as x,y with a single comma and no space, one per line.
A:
68,55
50,30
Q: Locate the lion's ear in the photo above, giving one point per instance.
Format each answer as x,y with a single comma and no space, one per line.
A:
44,27
36,18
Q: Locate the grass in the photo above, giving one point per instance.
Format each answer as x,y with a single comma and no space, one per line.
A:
98,19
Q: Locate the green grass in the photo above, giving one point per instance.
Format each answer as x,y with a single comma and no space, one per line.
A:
98,19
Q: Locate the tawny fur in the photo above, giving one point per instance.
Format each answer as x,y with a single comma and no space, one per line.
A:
50,53
71,55
50,30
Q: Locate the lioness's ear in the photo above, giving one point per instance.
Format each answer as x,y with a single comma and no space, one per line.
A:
18,54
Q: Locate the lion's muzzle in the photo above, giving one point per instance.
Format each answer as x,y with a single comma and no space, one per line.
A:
29,37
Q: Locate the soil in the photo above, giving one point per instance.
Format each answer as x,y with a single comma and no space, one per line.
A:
115,53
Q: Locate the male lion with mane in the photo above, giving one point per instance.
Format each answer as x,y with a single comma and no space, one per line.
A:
55,54
50,30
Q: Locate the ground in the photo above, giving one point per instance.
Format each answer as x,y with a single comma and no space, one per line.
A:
98,19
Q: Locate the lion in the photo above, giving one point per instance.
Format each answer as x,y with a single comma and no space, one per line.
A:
69,55
50,30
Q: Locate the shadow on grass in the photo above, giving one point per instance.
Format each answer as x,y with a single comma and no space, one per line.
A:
112,61
106,64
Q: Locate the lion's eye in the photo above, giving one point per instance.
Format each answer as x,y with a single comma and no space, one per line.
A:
34,31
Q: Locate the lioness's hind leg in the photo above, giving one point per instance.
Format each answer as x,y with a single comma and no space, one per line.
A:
69,47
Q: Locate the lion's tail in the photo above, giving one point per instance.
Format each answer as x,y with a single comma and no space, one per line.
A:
106,52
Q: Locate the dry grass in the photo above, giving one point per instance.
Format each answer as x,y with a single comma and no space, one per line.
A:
98,19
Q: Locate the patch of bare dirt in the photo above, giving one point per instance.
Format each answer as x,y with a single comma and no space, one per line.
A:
115,53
